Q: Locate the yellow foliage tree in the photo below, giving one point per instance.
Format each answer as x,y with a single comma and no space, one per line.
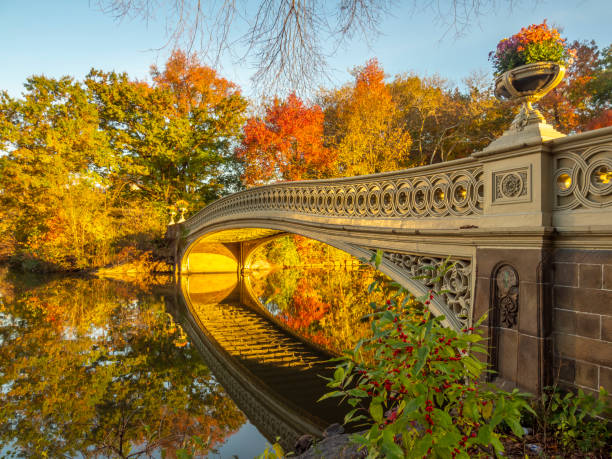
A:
362,124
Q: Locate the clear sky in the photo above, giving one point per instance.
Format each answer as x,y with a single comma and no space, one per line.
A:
69,37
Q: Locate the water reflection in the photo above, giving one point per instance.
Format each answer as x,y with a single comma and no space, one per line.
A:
326,306
268,336
95,368
273,375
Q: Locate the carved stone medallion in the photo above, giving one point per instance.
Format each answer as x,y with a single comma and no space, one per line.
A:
506,296
512,186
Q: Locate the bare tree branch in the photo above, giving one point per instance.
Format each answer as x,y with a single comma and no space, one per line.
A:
287,41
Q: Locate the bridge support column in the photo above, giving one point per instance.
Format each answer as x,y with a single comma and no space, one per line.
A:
514,287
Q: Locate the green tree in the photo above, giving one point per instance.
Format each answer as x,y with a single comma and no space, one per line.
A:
174,137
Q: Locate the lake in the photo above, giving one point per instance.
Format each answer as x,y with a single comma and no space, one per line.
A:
218,365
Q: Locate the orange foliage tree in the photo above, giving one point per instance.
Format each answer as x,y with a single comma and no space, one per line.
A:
362,124
571,106
286,144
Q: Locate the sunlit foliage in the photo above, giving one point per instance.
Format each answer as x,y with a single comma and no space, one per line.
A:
97,369
363,126
285,144
173,136
583,98
89,169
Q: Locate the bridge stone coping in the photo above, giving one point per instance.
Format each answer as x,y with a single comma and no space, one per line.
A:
504,215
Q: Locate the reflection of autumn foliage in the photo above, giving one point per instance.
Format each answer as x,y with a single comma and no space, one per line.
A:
95,368
306,308
325,306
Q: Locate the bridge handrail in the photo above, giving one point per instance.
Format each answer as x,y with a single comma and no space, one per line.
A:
453,188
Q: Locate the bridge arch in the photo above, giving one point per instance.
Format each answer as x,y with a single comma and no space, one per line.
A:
241,239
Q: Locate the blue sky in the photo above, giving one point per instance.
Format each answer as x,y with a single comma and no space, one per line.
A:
69,37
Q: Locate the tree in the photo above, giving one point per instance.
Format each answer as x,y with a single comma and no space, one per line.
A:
55,167
601,84
286,144
175,137
287,39
584,94
445,123
362,125
89,169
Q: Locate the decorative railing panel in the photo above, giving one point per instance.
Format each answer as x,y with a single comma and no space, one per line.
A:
454,285
583,179
405,194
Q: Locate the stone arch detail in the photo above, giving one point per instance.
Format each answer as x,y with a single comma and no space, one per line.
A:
453,288
504,312
455,303
506,296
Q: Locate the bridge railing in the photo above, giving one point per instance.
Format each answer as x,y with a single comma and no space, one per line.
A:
538,185
454,188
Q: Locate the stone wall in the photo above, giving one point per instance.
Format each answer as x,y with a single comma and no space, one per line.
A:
513,289
582,318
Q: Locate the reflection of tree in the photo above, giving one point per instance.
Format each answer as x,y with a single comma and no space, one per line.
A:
326,306
90,367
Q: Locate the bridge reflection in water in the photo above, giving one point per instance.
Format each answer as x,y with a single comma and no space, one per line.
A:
273,375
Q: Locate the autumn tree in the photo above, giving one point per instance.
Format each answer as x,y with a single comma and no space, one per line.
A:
89,169
362,125
444,122
285,144
584,95
55,166
175,137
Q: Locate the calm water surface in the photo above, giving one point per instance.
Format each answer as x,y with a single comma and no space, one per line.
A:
216,366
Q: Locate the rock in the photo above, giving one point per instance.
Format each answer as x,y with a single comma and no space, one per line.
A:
333,430
532,447
303,444
337,446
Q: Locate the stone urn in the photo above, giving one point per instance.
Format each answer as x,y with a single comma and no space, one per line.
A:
528,84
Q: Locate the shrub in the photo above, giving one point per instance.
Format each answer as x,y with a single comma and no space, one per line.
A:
416,384
573,419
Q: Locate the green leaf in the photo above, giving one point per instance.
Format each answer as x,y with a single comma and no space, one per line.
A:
484,435
335,393
349,416
421,446
389,447
357,393
515,425
496,443
378,258
376,411
448,440
422,354
339,374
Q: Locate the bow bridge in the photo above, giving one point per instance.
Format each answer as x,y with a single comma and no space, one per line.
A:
527,223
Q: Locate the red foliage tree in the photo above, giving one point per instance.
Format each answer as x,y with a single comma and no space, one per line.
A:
603,120
287,144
